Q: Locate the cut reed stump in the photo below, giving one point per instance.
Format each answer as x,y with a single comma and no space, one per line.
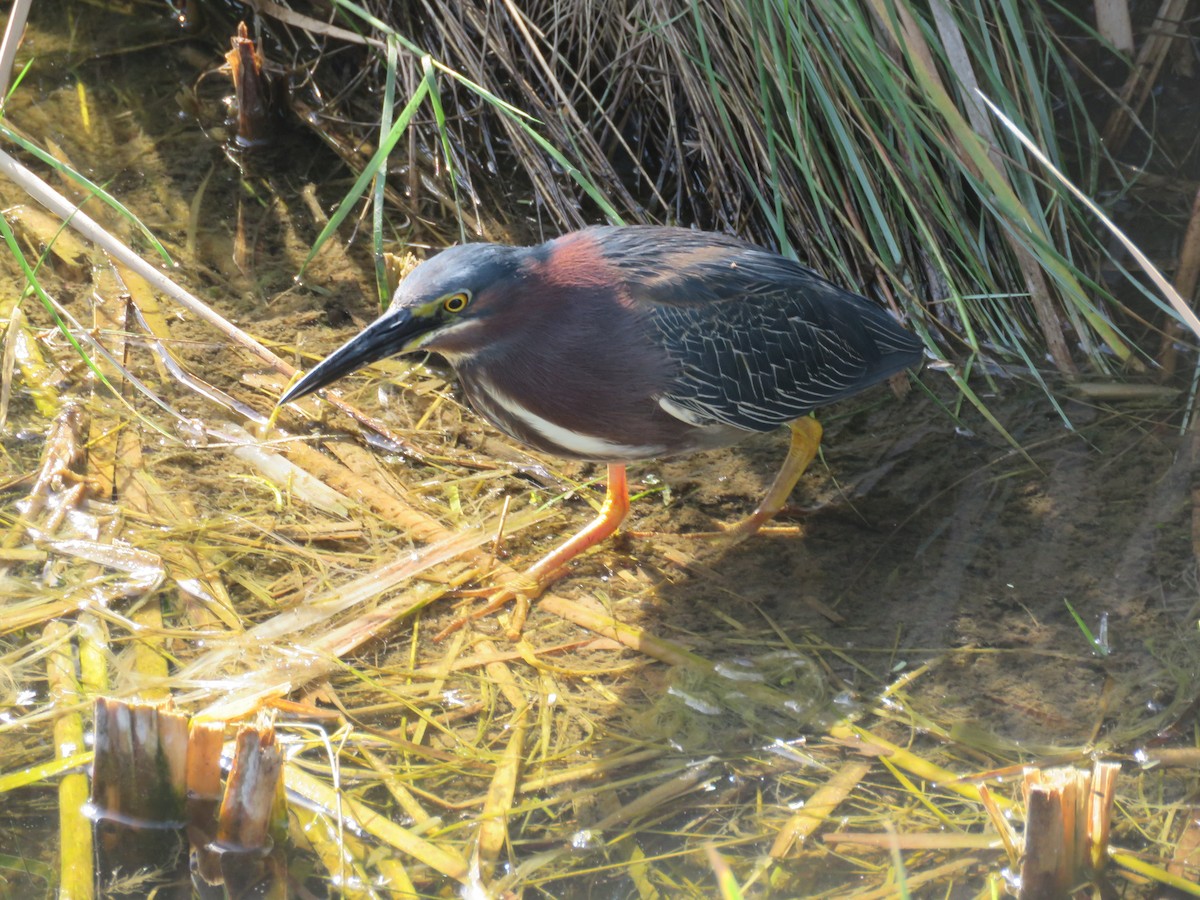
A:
1066,829
252,823
157,793
138,798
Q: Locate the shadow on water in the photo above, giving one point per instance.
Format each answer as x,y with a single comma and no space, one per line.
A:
927,549
928,544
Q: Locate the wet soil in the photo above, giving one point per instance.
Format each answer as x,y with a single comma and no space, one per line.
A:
920,538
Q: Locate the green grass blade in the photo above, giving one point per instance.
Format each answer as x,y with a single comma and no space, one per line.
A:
374,166
95,189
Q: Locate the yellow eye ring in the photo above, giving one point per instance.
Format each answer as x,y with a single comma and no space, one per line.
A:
456,303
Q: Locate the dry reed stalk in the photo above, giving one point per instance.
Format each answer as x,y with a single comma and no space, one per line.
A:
14,30
149,650
409,805
1154,52
278,677
110,327
392,509
395,879
8,355
342,640
590,771
20,554
150,658
367,468
657,798
438,857
1003,827
92,231
1097,811
492,836
1140,867
439,674
92,637
314,532
1180,757
916,879
253,89
1053,852
1113,23
1182,309
920,841
42,772
630,635
194,566
203,596
497,805
76,874
818,808
1115,392
1187,276
1185,861
18,618
343,855
22,348
536,657
307,23
853,735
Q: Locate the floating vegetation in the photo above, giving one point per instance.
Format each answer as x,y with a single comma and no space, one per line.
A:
895,701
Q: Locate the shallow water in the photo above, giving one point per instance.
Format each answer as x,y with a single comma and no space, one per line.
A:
924,541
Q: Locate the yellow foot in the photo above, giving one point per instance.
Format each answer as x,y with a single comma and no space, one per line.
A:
756,523
806,438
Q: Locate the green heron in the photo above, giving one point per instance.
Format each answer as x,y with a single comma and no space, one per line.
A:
617,344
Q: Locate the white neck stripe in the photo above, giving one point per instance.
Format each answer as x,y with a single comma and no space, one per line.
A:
585,446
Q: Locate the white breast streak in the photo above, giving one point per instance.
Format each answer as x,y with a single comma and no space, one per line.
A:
585,446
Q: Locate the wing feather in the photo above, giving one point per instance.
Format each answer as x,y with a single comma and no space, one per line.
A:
756,340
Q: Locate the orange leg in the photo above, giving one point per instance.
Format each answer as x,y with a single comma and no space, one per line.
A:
806,438
612,514
540,575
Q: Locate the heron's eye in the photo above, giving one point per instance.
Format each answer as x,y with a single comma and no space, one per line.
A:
456,303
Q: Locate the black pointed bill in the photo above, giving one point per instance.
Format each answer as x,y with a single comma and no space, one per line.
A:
391,333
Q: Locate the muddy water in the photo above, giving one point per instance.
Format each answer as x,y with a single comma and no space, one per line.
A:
921,540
